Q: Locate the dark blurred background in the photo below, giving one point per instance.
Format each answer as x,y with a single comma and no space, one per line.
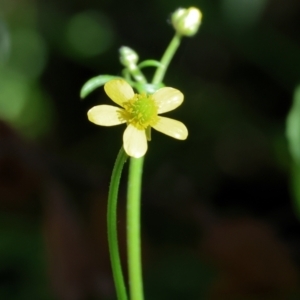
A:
219,215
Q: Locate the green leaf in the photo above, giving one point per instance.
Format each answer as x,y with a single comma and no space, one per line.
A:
94,83
293,127
149,63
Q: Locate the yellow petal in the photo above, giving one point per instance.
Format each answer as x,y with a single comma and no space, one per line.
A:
135,142
105,115
172,128
167,99
118,90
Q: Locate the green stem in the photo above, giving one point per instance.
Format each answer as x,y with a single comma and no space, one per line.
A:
166,59
133,228
134,189
137,74
112,226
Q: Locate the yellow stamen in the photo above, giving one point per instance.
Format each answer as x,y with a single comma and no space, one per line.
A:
140,111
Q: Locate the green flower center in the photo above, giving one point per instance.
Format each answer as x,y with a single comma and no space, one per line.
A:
140,111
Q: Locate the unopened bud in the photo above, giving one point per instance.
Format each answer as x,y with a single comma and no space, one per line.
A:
187,21
128,57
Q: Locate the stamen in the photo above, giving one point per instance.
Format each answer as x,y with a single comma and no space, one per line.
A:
141,111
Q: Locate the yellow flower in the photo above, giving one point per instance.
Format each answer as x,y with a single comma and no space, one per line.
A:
140,112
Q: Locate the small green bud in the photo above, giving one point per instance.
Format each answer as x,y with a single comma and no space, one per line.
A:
128,57
186,21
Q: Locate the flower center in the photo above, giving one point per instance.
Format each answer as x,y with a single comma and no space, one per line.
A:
140,111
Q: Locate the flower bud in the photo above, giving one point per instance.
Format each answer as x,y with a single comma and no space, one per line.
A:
186,21
128,57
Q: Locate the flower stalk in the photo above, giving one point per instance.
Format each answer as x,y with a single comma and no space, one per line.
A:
129,59
112,225
140,112
134,229
166,59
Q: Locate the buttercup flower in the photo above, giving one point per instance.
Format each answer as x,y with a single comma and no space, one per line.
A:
140,112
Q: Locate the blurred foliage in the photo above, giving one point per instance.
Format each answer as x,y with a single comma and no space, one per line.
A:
23,103
293,136
22,262
239,76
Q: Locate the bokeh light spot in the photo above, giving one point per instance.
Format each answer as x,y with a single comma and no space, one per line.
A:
24,105
13,95
89,34
28,52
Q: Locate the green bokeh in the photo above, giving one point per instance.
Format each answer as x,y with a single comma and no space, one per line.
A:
89,34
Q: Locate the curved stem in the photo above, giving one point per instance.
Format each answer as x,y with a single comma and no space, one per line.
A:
166,59
133,229
112,226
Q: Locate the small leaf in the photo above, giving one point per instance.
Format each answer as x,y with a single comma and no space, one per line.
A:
293,127
94,83
149,63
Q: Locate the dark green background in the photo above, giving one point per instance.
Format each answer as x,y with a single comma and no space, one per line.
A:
218,210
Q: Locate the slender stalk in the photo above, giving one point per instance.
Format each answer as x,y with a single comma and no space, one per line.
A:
137,74
133,228
134,192
166,59
112,226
